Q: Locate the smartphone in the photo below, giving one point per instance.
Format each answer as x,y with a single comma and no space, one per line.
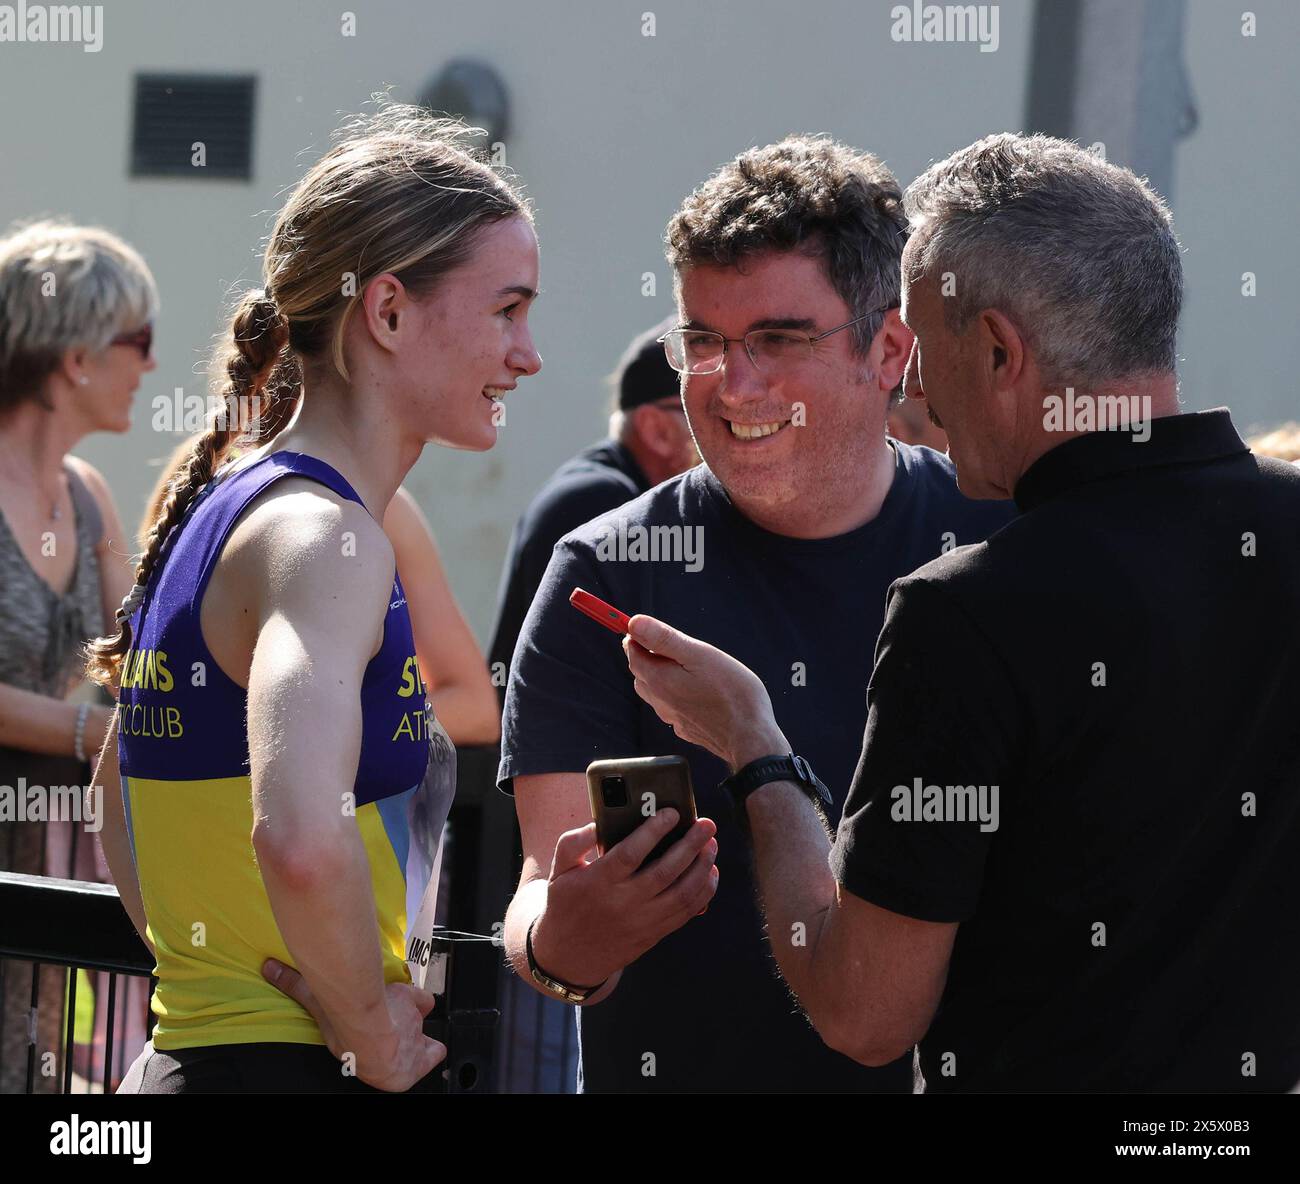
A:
625,792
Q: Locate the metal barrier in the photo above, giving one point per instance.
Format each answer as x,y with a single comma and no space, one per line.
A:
463,974
68,923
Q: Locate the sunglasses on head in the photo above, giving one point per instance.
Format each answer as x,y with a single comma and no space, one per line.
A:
141,339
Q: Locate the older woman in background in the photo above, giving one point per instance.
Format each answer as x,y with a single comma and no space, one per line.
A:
76,312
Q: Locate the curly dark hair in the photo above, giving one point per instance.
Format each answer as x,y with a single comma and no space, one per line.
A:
806,193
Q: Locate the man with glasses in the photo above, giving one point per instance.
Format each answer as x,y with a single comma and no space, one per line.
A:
778,549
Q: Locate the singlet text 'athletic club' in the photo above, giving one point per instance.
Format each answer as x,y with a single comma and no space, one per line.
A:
148,670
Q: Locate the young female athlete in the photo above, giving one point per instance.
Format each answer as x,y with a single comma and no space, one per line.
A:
284,785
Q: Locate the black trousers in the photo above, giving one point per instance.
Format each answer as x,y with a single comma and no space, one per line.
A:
249,1069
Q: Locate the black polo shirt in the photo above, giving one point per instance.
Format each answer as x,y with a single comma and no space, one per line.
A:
1123,663
600,478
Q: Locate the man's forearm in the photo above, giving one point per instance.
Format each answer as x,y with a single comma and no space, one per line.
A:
795,886
791,851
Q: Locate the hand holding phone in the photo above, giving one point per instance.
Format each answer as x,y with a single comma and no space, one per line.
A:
602,914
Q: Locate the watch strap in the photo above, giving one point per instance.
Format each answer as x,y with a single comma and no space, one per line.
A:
776,768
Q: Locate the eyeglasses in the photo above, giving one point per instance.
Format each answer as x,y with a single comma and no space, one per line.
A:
701,351
141,339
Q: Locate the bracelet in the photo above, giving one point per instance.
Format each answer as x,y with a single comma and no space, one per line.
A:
79,735
566,991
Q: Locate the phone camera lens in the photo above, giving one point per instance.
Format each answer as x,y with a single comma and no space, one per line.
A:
613,791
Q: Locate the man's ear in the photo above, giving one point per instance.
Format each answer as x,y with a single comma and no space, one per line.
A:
386,305
1003,352
894,345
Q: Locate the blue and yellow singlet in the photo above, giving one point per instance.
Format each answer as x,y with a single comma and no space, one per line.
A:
183,753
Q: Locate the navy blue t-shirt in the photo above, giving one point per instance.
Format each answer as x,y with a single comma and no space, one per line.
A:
804,614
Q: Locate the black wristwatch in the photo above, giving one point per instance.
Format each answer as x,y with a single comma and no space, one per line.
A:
775,768
567,991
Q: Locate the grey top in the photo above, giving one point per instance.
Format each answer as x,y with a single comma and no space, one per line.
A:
42,633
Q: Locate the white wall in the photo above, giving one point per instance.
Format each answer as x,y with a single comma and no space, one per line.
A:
609,130
1235,210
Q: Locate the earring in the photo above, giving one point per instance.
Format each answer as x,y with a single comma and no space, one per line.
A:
84,380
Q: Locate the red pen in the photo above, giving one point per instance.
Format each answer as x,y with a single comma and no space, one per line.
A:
598,610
